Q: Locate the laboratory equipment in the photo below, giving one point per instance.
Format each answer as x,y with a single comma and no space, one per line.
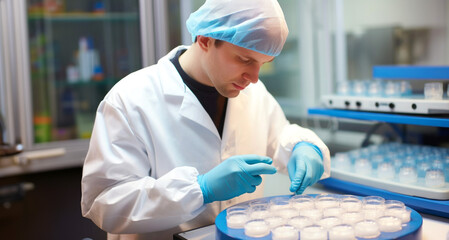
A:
414,174
395,95
390,223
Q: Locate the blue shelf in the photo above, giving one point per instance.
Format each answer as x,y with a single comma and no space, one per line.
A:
424,205
411,72
382,117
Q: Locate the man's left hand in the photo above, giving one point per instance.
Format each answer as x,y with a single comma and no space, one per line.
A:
305,166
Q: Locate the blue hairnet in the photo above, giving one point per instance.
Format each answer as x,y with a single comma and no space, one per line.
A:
257,25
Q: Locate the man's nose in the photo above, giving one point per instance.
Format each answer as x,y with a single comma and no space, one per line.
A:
252,74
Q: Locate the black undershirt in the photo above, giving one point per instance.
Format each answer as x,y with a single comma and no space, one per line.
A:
214,103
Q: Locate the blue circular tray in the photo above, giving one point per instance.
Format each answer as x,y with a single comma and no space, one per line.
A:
412,230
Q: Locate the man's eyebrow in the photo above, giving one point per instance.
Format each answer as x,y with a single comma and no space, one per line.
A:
254,60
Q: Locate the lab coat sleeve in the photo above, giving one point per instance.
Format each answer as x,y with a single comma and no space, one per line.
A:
284,136
117,192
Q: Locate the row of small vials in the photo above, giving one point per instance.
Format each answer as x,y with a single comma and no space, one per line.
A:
325,216
405,163
379,88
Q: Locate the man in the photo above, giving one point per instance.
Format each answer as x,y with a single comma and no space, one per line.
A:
175,143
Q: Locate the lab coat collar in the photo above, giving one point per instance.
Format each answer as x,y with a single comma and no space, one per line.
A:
173,86
190,108
171,81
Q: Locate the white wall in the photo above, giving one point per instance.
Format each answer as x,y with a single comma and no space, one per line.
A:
431,14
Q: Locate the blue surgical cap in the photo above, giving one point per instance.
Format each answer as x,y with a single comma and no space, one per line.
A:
257,25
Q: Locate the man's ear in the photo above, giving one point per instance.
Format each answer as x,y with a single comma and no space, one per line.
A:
204,42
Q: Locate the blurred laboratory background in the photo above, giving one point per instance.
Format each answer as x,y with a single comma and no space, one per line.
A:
369,77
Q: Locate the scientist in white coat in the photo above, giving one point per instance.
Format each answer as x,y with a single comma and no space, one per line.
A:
175,143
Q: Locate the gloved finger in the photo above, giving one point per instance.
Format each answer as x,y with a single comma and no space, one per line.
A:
256,180
317,171
253,158
251,180
321,171
259,168
307,180
299,176
251,189
291,168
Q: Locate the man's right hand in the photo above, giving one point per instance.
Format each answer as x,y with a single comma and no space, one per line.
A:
235,176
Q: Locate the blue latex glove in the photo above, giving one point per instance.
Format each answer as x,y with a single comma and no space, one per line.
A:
235,176
305,166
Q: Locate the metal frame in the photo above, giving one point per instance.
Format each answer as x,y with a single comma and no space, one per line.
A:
186,7
160,27
324,70
340,42
21,62
147,32
7,70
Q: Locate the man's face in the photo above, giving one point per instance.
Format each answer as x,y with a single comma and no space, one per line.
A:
231,68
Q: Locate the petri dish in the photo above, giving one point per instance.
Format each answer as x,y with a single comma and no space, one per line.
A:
392,89
408,174
363,166
326,200
406,215
275,221
372,213
312,213
366,229
257,228
236,216
302,202
352,217
333,211
386,170
394,203
342,161
329,222
375,202
389,224
342,232
433,90
351,203
313,232
278,203
259,211
285,232
435,178
287,213
300,222
236,219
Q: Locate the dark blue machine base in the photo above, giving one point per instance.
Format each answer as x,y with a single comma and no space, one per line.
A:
412,231
424,205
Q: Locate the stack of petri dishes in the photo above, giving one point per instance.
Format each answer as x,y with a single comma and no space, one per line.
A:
318,217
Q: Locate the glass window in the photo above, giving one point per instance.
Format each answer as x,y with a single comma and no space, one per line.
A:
78,51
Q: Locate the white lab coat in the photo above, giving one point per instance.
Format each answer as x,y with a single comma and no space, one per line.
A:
151,139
